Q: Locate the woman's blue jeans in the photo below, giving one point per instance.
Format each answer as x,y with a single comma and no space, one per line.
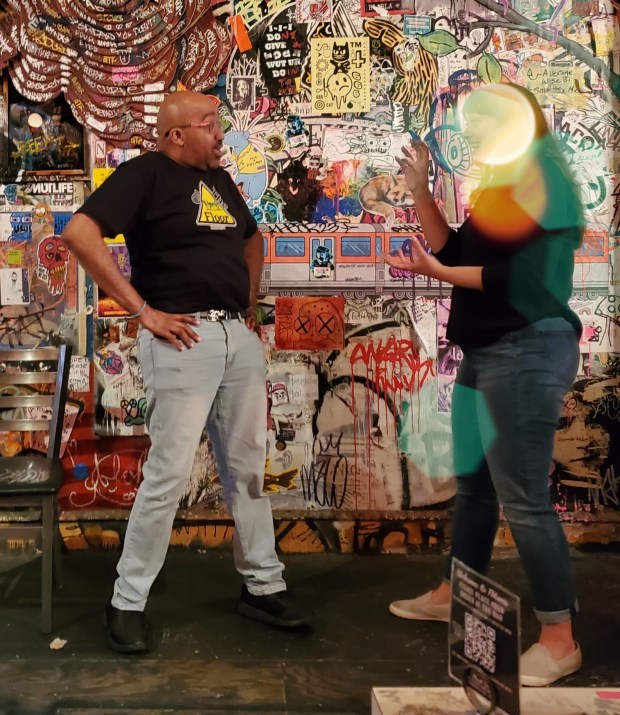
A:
505,409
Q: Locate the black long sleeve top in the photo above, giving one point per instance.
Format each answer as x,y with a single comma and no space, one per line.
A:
527,264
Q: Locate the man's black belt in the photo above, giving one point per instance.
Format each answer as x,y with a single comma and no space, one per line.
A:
213,316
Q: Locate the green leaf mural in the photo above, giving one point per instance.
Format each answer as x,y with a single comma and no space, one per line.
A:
438,43
489,69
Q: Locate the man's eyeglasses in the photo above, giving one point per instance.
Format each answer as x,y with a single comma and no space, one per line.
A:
211,124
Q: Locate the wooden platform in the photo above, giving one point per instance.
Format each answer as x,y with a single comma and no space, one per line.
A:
534,701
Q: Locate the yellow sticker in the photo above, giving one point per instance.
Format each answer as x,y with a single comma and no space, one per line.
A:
14,257
100,175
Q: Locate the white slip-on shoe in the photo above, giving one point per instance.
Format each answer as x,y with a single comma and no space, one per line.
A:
421,609
540,668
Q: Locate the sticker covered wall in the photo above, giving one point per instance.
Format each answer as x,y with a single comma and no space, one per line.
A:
318,98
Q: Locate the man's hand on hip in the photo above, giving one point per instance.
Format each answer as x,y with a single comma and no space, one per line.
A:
251,319
175,328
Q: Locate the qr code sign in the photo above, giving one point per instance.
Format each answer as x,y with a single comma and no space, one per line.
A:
480,642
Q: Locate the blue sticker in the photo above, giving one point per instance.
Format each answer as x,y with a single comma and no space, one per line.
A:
21,226
61,219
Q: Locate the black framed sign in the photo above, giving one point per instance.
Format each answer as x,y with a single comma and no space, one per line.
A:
484,641
40,137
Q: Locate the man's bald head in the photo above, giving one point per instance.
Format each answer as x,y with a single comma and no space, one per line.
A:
189,131
180,108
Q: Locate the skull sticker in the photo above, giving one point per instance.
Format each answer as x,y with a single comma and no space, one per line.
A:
279,394
53,259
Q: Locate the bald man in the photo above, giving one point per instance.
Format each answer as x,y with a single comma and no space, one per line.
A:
196,258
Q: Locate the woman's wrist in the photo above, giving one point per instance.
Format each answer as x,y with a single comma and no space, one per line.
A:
422,195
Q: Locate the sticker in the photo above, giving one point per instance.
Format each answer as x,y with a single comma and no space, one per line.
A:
340,75
14,288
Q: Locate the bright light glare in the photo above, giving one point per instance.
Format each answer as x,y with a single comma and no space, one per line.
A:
515,125
35,120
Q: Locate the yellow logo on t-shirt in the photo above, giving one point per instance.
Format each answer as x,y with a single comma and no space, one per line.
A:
213,210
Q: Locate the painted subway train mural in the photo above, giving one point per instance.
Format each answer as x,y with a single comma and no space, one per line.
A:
318,97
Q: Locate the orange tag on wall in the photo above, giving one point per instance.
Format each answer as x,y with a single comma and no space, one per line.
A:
240,32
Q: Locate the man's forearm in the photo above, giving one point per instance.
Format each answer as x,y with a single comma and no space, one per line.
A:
84,239
254,257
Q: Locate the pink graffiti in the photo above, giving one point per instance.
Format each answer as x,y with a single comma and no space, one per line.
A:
400,273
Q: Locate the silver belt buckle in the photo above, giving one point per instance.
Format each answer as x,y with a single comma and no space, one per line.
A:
214,315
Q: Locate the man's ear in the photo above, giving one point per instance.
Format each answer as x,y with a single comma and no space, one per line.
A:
176,136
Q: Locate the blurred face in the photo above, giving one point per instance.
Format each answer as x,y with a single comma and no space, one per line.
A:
481,132
500,125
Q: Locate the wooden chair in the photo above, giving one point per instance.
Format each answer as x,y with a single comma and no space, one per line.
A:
29,482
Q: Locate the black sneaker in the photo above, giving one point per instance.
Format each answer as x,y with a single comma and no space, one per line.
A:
127,630
276,609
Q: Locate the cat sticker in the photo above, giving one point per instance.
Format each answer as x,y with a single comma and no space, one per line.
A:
340,69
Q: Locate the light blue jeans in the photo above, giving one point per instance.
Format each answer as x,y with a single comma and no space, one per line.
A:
220,382
505,410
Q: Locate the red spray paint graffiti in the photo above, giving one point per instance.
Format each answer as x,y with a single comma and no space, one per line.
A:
395,365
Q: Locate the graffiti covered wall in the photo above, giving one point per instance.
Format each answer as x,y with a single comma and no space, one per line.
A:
318,98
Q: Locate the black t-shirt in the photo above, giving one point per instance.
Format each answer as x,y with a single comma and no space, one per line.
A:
185,230
526,276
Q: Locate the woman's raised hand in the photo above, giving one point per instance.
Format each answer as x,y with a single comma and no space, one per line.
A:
418,262
414,164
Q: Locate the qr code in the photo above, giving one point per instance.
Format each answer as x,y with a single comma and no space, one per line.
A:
480,643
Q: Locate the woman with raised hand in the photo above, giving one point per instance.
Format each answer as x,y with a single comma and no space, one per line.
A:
511,265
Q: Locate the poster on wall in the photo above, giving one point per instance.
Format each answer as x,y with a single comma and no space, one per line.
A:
313,10
378,148
449,357
243,93
16,226
280,52
99,175
108,307
417,24
14,288
310,323
372,8
120,403
551,79
43,137
43,300
340,74
292,394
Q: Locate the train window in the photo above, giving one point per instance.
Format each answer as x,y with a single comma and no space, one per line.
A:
358,246
264,246
289,246
396,242
328,243
378,249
